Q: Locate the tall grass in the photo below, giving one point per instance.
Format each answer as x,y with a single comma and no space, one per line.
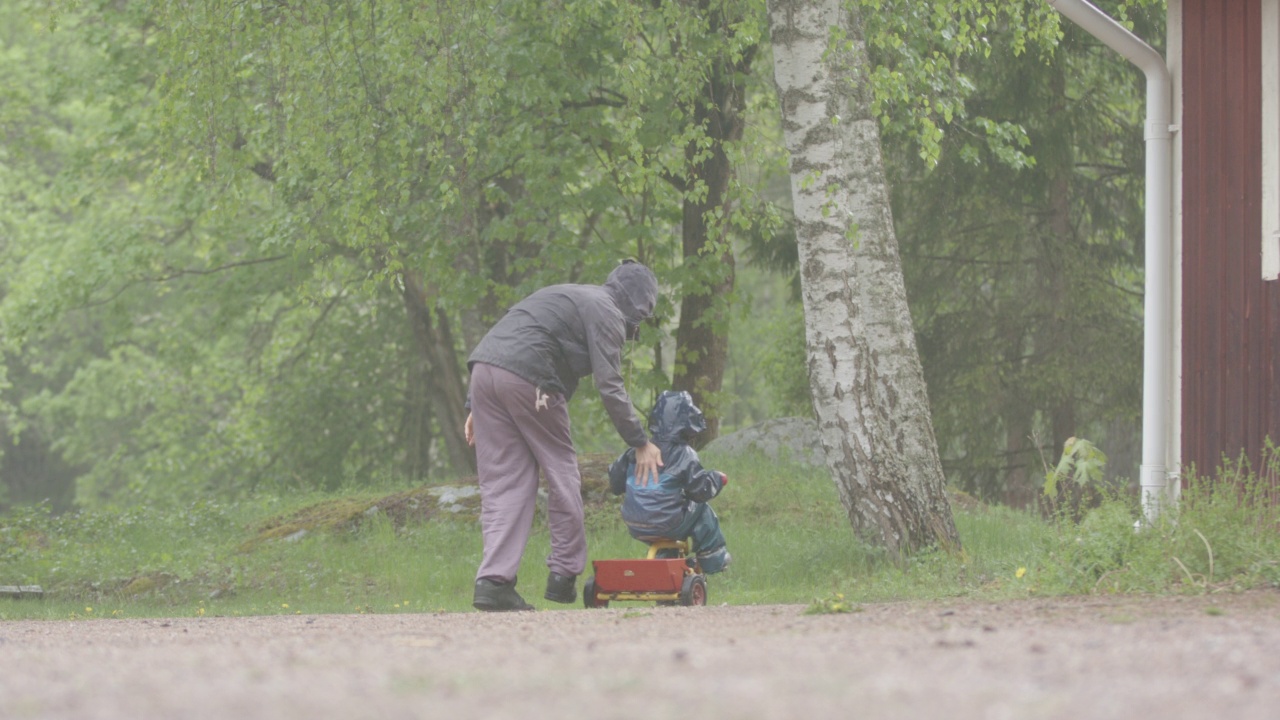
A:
785,526
1224,535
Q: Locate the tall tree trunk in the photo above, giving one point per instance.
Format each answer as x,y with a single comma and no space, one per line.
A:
32,472
1017,488
442,387
1057,247
702,338
864,371
415,434
1019,491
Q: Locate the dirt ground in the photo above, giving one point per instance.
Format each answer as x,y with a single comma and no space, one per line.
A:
1215,656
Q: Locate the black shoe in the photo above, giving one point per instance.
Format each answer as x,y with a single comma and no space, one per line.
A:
493,596
560,588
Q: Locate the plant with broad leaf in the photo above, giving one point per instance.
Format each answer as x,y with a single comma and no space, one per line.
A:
1076,479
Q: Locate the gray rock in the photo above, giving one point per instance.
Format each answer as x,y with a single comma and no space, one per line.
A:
20,592
450,497
791,439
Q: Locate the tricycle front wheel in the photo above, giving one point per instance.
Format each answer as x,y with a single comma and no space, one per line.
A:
693,590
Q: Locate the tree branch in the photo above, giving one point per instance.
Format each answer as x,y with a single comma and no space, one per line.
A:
174,275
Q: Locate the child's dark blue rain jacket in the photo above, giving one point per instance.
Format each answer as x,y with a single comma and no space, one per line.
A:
658,508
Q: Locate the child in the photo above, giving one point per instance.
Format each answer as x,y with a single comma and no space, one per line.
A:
676,506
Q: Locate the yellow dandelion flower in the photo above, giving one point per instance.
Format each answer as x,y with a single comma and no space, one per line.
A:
1021,571
88,609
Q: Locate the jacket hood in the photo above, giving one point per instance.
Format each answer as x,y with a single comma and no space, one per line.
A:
675,418
635,290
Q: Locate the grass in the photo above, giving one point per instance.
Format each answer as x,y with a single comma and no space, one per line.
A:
786,528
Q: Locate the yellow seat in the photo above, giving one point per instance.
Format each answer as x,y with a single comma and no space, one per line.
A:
659,545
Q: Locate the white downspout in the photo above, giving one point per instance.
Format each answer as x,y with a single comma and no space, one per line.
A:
1157,342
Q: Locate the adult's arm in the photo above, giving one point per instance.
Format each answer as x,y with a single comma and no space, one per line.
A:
605,335
606,332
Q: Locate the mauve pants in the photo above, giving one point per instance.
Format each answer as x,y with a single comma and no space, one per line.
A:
519,429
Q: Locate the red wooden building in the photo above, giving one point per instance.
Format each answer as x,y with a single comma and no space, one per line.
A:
1211,386
1224,56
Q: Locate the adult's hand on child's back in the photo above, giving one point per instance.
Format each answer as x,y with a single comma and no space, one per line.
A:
648,460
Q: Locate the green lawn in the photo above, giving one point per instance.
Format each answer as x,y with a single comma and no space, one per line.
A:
788,533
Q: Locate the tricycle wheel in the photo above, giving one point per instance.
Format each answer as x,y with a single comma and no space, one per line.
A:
589,598
693,590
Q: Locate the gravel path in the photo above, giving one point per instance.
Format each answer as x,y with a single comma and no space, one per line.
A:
1214,656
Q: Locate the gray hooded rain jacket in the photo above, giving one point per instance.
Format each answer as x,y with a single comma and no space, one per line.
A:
562,333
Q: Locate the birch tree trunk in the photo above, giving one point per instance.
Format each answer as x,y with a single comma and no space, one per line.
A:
864,371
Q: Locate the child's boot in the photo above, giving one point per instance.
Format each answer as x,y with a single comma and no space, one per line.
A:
713,561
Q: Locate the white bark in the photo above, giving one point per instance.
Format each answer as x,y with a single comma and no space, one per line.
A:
864,371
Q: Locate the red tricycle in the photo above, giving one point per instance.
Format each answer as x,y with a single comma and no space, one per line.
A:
669,574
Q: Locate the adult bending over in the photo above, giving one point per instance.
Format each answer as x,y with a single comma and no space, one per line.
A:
523,373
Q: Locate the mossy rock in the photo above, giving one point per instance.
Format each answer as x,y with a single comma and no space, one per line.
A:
336,514
409,507
963,501
144,584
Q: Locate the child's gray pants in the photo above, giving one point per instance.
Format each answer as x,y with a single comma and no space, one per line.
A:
519,429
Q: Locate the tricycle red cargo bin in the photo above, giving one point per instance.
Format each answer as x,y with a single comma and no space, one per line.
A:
655,578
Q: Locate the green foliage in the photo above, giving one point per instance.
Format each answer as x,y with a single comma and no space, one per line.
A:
212,209
1024,269
1220,537
766,377
1082,463
1227,524
927,56
209,211
930,60
96,554
492,149
833,604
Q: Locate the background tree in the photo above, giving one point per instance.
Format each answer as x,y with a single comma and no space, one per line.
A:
674,83
955,87
389,176
218,356
709,205
868,388
252,245
1021,246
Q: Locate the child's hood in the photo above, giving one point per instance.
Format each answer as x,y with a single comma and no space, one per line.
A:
675,418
